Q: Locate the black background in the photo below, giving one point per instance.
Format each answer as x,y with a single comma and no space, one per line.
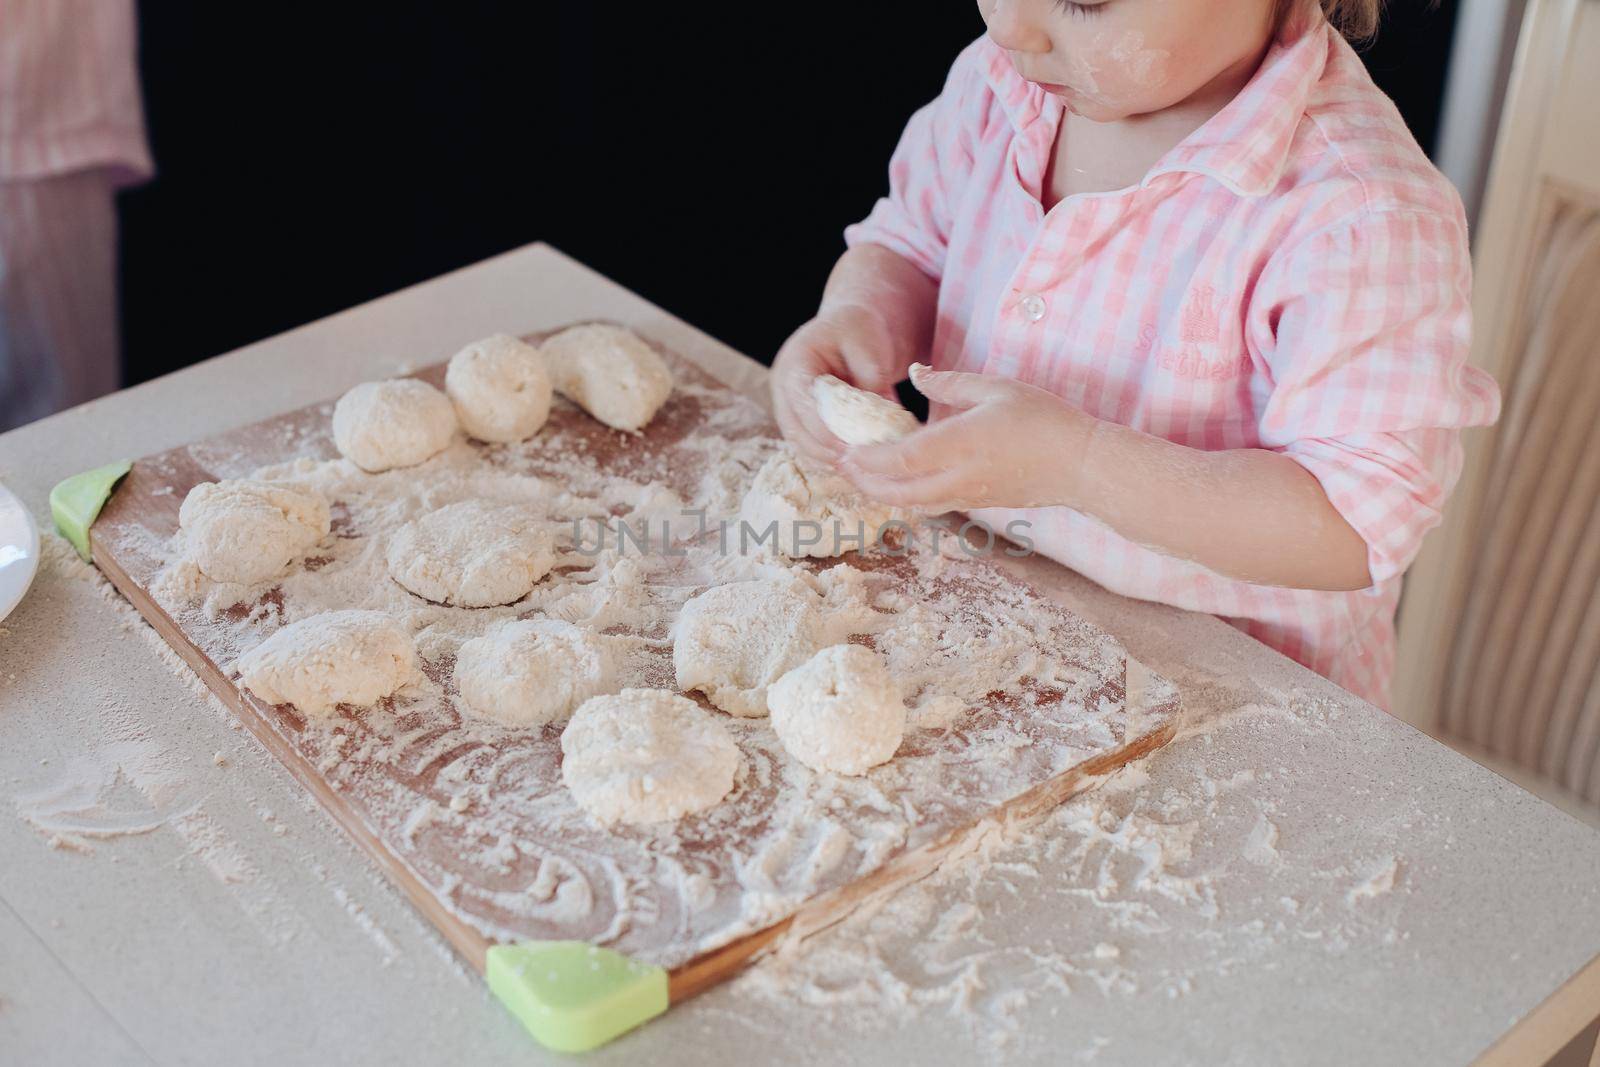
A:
705,155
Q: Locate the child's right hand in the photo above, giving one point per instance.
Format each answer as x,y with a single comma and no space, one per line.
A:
849,341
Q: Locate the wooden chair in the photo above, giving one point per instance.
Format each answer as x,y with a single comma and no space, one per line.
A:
1500,621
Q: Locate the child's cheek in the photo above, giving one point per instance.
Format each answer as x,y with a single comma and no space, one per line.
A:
1140,68
1083,73
1117,68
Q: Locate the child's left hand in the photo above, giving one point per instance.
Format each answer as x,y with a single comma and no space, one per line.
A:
997,443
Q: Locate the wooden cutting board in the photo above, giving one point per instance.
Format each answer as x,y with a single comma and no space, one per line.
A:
699,897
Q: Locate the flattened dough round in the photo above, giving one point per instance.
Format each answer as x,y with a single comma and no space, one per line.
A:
646,755
734,640
840,711
809,511
500,389
338,657
397,423
475,554
532,671
610,372
247,531
858,417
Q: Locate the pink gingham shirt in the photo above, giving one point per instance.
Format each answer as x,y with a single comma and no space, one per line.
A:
1294,276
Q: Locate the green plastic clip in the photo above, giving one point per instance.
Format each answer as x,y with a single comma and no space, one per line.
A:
573,996
76,502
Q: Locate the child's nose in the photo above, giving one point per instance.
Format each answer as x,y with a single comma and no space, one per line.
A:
1016,26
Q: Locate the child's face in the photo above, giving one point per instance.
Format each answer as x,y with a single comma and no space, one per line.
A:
1109,59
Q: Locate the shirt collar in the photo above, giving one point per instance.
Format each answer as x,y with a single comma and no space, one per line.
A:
1245,146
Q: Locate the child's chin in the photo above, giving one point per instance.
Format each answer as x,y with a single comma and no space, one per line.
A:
1093,110
1099,110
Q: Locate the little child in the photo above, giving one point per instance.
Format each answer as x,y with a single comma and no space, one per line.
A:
1196,309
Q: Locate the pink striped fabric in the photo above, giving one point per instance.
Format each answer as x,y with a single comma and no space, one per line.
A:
69,90
1294,276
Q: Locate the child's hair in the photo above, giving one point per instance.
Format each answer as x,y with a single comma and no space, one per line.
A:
1356,19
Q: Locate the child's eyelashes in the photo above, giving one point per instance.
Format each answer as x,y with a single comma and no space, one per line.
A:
1084,10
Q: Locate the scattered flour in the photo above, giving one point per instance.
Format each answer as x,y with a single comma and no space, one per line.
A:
1119,895
125,781
469,805
1131,884
1380,881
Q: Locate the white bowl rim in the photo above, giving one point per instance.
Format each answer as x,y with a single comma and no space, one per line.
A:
18,530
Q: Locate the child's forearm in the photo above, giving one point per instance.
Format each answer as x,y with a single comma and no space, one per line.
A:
1248,514
886,284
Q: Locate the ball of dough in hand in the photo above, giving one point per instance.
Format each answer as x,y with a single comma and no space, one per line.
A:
732,641
397,423
840,711
858,417
247,531
531,672
646,755
500,389
610,372
338,657
475,554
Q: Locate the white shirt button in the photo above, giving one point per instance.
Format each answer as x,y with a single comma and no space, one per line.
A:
1033,307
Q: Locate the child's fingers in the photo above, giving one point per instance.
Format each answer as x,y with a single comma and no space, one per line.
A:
867,366
961,389
917,455
801,425
865,348
795,368
942,490
807,441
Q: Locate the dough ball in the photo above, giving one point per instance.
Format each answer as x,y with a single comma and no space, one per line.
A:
610,372
338,657
809,511
646,755
475,554
248,531
531,672
734,640
840,711
500,389
858,417
398,423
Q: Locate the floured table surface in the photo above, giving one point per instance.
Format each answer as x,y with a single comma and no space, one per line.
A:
1014,701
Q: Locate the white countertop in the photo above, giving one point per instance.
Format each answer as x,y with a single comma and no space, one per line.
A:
1300,878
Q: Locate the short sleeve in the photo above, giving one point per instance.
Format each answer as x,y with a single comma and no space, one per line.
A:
927,171
1365,328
